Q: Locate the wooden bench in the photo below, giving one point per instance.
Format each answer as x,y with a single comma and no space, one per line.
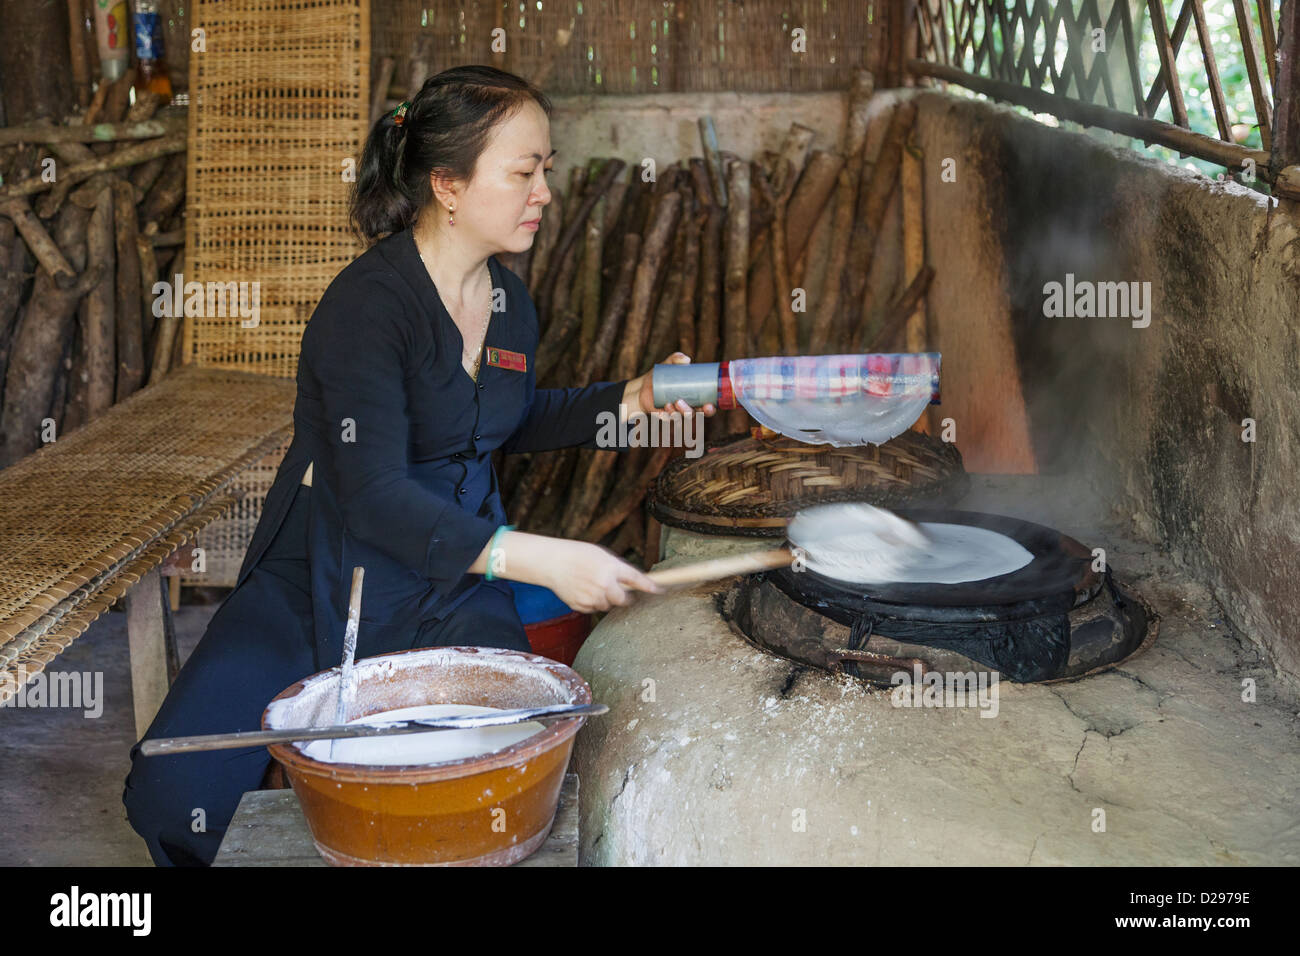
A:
268,829
93,516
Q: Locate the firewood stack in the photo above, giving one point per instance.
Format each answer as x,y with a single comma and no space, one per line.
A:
91,215
703,258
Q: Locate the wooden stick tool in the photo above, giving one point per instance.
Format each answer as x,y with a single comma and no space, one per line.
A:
262,738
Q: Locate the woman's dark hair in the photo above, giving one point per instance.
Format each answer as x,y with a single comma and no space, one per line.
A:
446,128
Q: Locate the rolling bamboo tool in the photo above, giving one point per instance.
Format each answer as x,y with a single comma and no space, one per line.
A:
819,399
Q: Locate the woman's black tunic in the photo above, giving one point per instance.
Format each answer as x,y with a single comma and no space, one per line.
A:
401,436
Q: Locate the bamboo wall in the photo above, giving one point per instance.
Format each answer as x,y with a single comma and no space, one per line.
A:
633,46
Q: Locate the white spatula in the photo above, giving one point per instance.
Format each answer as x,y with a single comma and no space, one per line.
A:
853,541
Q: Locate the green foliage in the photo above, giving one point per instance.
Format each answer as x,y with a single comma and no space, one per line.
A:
1234,78
1225,43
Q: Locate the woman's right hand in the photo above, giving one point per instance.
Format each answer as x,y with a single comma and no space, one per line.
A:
586,577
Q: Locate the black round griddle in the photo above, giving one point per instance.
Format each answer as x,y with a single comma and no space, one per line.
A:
1017,621
1059,577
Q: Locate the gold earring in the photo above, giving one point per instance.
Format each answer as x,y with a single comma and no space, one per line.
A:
451,220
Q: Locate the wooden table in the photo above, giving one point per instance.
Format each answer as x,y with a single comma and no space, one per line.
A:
268,829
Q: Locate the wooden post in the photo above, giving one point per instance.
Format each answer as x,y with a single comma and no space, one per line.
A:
1286,117
35,62
653,542
911,41
146,632
1086,114
916,334
896,12
1256,75
736,339
379,90
78,57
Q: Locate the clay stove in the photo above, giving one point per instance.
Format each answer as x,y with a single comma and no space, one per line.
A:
726,748
1061,616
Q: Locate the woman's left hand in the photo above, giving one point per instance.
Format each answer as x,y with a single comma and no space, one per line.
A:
639,396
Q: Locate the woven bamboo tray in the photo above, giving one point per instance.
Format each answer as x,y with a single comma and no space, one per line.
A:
750,486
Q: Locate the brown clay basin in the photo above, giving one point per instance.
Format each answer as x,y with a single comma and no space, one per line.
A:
492,809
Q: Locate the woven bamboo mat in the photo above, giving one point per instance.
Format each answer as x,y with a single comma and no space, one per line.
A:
86,510
751,486
27,654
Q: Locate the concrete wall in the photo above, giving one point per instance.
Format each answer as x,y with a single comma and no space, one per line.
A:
1150,419
664,126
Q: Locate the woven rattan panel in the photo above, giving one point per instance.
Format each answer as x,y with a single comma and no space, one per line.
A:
636,46
279,102
225,540
75,513
750,486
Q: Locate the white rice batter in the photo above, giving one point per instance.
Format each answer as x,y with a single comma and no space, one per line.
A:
436,746
861,544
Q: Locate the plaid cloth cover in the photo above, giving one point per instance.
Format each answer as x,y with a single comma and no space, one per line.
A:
834,379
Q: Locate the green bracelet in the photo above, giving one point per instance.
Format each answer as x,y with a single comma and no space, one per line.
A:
493,547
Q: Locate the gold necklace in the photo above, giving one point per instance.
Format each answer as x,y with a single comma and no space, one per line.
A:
466,353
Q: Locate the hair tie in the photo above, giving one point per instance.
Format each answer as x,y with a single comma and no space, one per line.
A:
399,114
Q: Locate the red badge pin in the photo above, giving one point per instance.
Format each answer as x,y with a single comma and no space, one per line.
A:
504,358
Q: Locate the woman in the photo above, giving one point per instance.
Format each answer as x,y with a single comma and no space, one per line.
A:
416,365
